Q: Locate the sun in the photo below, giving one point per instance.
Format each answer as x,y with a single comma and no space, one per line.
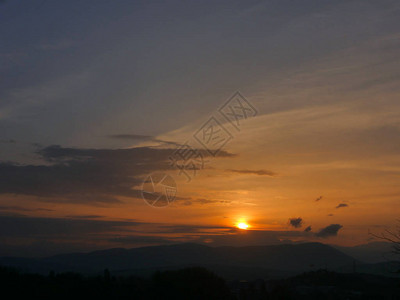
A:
242,225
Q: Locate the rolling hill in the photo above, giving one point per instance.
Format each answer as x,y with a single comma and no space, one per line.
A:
262,260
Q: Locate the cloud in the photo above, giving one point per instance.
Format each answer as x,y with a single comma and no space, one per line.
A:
331,230
135,137
319,198
194,229
254,172
9,141
253,237
201,201
85,175
145,240
53,228
206,201
296,222
308,229
342,205
224,236
36,236
84,226
131,136
18,208
84,216
330,215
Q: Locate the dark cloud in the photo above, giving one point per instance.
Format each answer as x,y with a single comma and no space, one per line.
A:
185,202
212,235
145,240
254,172
342,205
85,175
319,198
84,226
54,228
206,201
194,229
331,230
202,235
252,237
201,201
308,229
330,215
12,214
19,208
10,141
135,137
31,235
85,216
131,136
296,222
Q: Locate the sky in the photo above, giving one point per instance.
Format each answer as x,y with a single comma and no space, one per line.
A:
95,96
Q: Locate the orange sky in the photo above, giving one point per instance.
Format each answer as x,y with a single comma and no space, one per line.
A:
91,106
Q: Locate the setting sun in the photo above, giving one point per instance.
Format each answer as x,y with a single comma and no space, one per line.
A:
242,225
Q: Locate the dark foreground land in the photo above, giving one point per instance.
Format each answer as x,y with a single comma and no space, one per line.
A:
196,283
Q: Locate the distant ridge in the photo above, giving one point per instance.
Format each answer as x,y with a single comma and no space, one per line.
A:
291,258
374,252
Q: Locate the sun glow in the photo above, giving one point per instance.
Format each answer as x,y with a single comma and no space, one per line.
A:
242,225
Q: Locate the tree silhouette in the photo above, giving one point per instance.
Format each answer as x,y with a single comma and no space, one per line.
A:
392,236
107,275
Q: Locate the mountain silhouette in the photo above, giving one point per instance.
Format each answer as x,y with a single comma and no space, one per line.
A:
291,258
374,252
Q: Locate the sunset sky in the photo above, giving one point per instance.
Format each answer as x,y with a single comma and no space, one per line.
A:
96,95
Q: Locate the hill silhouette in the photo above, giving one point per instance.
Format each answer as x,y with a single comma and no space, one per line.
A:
290,258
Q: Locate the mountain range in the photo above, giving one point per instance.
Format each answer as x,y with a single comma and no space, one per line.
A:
250,262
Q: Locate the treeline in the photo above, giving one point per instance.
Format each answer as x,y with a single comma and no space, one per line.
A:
196,283
189,283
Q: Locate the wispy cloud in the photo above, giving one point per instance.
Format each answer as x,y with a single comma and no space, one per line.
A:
84,216
139,137
342,205
19,208
201,201
254,172
131,136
